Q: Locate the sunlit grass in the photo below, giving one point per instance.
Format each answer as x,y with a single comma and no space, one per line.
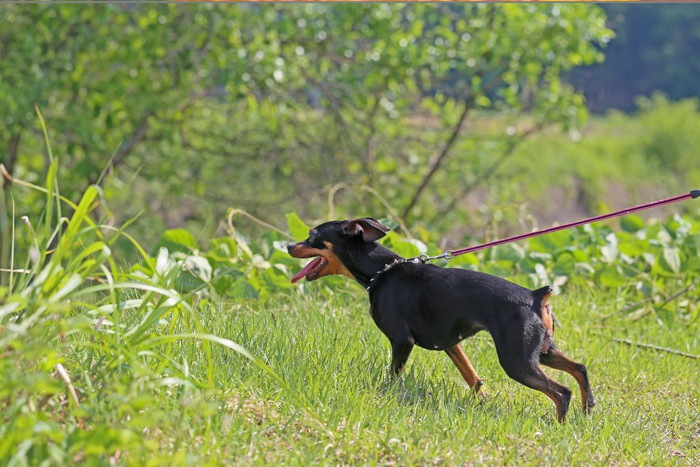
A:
333,355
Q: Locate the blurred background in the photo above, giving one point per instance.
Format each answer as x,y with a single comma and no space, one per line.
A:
463,121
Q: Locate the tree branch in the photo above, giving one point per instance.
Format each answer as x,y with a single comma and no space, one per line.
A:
653,347
370,155
437,162
493,168
12,152
468,104
127,146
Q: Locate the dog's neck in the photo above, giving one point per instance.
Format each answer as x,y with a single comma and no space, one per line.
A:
366,259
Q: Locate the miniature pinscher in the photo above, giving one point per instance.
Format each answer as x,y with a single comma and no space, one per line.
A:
436,308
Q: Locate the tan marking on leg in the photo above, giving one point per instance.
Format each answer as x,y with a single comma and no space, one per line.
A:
465,367
557,360
546,313
547,320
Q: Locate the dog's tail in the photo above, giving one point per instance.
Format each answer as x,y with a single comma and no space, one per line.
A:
543,308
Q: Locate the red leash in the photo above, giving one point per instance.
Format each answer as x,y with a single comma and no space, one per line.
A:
449,254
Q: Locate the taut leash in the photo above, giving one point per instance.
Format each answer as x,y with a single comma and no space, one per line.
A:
449,254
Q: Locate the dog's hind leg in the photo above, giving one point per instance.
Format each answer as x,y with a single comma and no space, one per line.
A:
555,359
532,376
465,367
519,357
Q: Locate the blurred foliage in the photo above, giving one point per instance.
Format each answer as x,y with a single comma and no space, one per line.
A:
672,135
653,51
187,110
644,262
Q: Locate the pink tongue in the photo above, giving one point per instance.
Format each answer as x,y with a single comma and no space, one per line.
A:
306,269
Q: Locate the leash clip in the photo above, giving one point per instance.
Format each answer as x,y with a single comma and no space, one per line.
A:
447,255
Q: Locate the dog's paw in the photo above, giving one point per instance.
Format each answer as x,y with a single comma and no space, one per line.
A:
479,392
589,404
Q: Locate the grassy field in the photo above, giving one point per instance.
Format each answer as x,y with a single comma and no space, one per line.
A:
328,399
107,361
335,359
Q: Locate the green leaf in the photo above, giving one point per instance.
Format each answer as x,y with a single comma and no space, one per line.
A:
67,287
199,267
610,251
297,227
79,216
565,265
98,249
242,289
551,243
223,249
467,259
632,223
275,280
610,276
580,256
671,260
162,261
176,240
509,252
223,284
634,248
403,246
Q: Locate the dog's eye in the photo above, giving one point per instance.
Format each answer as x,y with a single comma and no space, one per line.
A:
313,237
315,240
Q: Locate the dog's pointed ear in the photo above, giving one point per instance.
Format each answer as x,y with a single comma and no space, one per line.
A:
370,229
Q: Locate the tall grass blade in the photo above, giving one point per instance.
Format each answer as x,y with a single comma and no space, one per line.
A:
77,219
52,190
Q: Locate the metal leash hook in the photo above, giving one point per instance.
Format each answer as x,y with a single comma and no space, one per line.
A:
446,255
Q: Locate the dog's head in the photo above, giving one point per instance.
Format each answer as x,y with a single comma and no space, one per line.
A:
328,244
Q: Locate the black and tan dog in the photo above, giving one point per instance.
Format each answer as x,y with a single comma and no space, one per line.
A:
436,308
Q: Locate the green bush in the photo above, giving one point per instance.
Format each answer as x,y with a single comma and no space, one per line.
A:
671,134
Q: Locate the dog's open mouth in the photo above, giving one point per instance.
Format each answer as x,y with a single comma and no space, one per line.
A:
311,270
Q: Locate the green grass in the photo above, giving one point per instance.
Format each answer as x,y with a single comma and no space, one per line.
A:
317,390
332,355
106,363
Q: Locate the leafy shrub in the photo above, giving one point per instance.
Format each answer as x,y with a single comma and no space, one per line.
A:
644,262
86,347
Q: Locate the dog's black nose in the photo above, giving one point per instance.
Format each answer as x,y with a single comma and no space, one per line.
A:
290,246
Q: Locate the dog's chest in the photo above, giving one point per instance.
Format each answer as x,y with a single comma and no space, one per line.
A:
407,316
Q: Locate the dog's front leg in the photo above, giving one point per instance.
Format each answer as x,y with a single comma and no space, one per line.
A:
400,351
465,367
